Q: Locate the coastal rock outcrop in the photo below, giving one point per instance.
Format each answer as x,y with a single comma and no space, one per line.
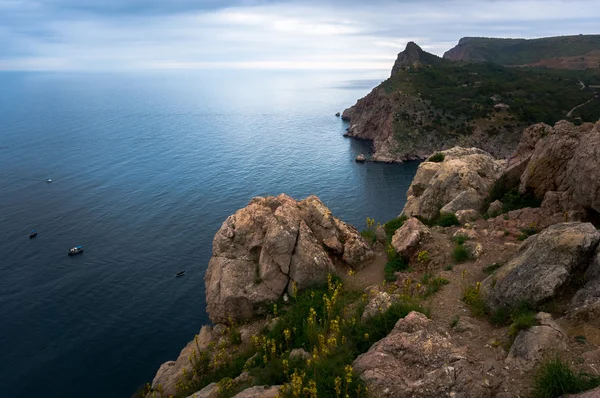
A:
459,182
274,245
543,264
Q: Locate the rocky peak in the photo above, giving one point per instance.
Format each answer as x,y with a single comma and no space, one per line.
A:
413,56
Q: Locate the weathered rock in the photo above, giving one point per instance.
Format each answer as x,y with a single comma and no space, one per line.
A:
361,158
380,234
460,182
475,249
469,215
562,158
466,324
531,345
378,304
408,238
595,393
416,360
210,391
495,208
170,371
299,353
465,200
259,392
585,305
542,265
270,245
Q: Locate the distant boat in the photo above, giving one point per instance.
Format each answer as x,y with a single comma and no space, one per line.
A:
180,273
49,180
75,250
32,234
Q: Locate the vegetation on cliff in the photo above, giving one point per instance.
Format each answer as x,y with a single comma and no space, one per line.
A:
521,51
425,107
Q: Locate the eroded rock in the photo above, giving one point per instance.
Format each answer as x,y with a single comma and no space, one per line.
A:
532,345
542,265
259,392
417,360
269,246
408,238
460,182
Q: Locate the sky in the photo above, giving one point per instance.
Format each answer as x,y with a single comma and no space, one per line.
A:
264,34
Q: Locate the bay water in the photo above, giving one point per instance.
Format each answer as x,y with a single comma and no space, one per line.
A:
145,167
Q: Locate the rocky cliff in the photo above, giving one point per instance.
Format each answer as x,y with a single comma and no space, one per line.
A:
470,306
429,104
565,52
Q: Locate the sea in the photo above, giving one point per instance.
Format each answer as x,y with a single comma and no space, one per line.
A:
145,167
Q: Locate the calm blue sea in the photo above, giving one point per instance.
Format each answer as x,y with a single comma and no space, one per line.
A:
145,168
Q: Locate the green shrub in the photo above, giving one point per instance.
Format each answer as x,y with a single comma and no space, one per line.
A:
521,321
434,285
423,257
391,226
449,267
490,269
448,220
472,298
437,157
528,231
369,235
394,265
460,253
460,239
454,321
555,378
500,317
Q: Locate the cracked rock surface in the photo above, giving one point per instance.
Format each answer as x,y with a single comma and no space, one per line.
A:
274,243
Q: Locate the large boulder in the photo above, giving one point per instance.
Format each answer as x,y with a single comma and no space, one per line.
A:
460,182
542,265
585,305
418,360
534,344
259,392
408,238
269,246
562,158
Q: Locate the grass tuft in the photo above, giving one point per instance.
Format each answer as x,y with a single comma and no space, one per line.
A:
555,378
460,254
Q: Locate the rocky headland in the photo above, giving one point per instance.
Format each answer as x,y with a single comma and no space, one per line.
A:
430,104
486,285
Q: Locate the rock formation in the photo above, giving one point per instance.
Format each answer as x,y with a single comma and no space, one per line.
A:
417,360
543,264
560,161
460,182
413,56
409,237
271,246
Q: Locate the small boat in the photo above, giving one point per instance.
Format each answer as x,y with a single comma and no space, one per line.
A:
49,180
75,250
32,234
180,273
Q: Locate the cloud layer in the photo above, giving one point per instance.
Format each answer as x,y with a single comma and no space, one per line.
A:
327,34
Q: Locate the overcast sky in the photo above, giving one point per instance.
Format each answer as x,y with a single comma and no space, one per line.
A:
325,34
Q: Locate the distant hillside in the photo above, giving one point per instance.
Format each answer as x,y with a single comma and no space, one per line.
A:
517,52
423,108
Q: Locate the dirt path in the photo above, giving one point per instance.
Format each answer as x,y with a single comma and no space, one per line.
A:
570,113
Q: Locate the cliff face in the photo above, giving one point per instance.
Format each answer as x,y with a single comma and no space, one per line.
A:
562,52
430,104
413,57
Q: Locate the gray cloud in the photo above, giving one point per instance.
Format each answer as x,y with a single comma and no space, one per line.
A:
113,34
